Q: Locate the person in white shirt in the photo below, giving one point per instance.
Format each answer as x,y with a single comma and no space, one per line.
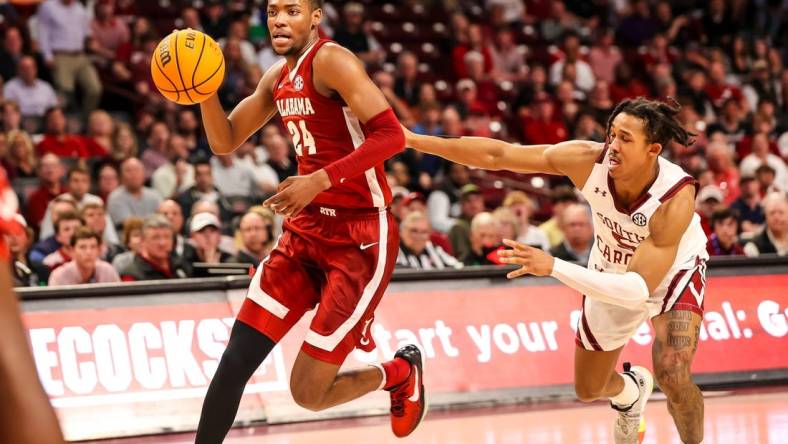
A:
760,155
33,95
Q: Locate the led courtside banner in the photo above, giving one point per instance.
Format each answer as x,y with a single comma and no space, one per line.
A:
126,365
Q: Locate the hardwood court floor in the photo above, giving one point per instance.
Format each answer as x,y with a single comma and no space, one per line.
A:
750,416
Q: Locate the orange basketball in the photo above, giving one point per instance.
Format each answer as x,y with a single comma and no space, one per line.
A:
187,66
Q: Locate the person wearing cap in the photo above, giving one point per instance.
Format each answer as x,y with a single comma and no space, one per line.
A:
773,239
205,235
471,204
85,266
748,205
154,260
709,199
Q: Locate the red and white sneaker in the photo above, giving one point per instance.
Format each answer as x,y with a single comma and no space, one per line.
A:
408,401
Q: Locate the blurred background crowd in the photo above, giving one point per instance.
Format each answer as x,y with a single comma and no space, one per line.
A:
116,183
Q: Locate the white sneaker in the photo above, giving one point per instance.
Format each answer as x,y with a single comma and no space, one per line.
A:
626,428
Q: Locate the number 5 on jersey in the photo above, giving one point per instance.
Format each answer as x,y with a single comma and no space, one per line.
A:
301,138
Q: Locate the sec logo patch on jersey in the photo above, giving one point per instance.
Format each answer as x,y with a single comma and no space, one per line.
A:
298,83
639,219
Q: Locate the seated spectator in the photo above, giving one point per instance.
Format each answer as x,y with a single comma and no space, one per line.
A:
355,37
508,57
21,158
109,31
202,189
124,143
188,126
584,80
227,243
406,84
471,204
33,95
238,30
12,117
761,155
85,267
11,52
508,224
101,127
131,238
279,158
719,156
232,177
25,273
766,176
475,43
255,159
107,181
177,174
96,219
522,206
708,200
604,56
578,234
132,198
56,140
443,204
154,260
773,239
78,185
748,205
156,154
543,127
174,213
65,227
561,198
724,226
485,241
50,173
415,248
205,235
730,121
255,236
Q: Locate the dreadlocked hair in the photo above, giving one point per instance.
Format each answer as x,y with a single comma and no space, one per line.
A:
659,120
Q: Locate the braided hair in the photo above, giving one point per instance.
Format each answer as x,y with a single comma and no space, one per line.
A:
659,118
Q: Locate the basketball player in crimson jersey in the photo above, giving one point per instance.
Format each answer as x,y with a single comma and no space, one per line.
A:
339,243
647,261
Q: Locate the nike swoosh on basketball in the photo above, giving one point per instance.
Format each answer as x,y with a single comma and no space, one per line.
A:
415,396
365,246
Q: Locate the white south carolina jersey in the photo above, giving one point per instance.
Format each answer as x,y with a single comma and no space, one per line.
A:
619,230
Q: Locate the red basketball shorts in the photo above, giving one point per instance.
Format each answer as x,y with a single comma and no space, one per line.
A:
339,261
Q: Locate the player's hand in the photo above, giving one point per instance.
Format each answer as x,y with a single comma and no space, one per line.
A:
296,192
531,260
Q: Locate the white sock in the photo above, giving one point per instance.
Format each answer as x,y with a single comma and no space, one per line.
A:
628,395
383,376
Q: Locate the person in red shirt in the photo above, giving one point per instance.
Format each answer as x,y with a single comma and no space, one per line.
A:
719,156
475,43
50,175
57,141
339,243
542,127
719,90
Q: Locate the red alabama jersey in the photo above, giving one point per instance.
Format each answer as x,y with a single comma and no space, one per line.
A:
325,130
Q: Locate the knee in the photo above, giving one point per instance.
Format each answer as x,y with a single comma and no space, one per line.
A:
672,372
307,397
587,391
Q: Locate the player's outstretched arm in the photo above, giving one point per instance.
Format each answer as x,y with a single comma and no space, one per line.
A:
650,263
573,158
226,133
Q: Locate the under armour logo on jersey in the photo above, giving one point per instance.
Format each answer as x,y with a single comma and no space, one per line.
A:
639,219
598,191
298,83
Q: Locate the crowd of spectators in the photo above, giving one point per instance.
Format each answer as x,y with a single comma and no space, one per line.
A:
117,183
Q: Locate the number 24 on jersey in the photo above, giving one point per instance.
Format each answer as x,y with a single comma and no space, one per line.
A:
301,137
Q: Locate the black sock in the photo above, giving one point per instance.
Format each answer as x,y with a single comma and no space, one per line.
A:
245,351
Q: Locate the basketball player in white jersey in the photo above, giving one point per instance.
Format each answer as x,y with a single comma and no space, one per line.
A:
647,261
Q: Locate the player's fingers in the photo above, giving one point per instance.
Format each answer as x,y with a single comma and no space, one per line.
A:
515,245
517,273
514,260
